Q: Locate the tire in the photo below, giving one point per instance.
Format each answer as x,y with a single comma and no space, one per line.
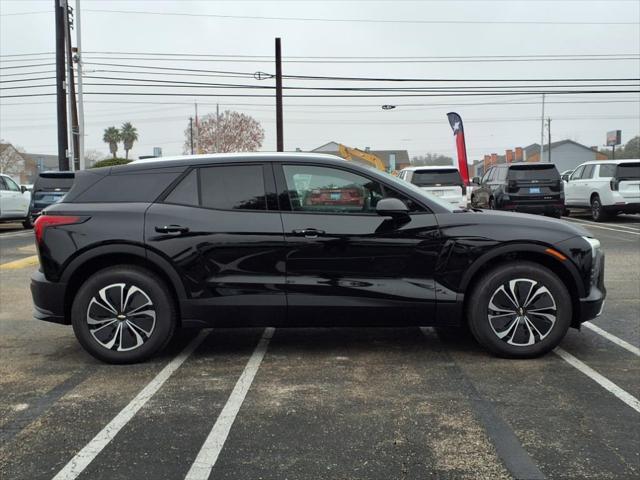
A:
511,335
139,288
27,223
597,210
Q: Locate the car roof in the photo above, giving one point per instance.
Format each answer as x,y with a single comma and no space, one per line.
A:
616,162
239,156
430,167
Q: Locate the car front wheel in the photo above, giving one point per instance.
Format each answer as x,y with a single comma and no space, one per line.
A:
519,310
123,314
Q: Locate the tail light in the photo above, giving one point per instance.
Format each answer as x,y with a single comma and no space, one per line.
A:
45,221
615,183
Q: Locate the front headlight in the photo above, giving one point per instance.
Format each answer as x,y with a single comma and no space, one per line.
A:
595,246
596,253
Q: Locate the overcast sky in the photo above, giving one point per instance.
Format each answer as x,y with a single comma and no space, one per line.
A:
609,28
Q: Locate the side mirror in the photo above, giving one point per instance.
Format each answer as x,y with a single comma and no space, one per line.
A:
23,188
392,207
475,180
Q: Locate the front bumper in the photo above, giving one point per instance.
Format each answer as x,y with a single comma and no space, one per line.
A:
48,299
593,305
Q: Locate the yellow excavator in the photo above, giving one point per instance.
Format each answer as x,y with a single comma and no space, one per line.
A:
349,154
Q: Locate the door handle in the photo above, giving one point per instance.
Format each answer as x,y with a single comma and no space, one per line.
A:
308,232
172,229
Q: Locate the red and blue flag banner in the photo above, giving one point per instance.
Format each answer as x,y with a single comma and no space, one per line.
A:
458,131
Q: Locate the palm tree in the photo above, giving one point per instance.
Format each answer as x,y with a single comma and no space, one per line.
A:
112,137
129,134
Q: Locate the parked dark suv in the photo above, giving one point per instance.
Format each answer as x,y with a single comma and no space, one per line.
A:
49,188
521,187
135,251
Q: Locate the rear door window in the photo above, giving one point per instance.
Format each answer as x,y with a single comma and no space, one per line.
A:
429,178
233,187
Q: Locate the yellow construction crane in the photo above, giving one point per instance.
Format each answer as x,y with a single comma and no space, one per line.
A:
349,153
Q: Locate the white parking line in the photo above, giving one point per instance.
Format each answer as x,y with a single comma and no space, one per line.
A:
208,455
604,382
16,234
612,338
91,450
594,225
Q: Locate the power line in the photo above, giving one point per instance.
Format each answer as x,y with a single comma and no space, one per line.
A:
362,20
312,77
177,83
367,95
377,61
30,66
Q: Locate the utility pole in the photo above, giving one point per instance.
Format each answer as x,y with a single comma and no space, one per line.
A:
549,132
542,129
279,136
71,89
191,133
78,59
195,144
217,127
613,153
61,93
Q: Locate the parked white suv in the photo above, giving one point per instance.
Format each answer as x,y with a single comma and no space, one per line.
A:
14,201
607,188
442,181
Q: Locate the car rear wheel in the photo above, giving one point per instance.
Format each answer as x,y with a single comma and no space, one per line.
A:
597,211
519,310
123,314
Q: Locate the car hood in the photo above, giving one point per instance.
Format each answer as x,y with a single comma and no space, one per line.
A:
509,226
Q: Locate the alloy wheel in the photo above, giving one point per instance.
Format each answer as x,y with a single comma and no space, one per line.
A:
522,312
595,209
121,317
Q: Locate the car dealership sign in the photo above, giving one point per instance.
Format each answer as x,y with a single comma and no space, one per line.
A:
614,138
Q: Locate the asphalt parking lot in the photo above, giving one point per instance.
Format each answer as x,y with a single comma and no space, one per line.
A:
323,403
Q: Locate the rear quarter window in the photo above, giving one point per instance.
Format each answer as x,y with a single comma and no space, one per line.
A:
141,186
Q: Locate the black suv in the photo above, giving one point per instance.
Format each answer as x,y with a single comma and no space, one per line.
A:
521,187
135,251
48,189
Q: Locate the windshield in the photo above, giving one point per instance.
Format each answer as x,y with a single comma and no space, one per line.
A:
417,191
629,170
533,172
427,178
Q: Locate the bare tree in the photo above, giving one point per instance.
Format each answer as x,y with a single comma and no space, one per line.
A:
230,132
93,156
11,162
